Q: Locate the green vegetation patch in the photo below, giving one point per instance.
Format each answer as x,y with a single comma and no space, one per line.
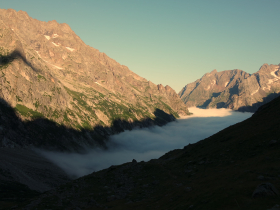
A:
135,88
147,88
36,104
18,99
65,117
41,77
56,114
26,112
81,98
116,111
46,94
171,111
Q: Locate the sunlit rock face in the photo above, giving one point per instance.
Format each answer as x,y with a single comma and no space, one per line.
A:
48,71
234,89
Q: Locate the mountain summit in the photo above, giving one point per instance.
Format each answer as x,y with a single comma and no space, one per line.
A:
234,89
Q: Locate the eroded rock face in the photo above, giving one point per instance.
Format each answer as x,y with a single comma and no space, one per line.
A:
48,71
234,89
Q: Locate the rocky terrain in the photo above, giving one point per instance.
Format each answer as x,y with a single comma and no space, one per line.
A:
234,89
237,168
48,72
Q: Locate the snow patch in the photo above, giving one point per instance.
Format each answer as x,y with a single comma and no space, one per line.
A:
38,54
47,37
48,62
273,73
56,44
274,79
71,49
268,87
56,66
226,84
55,35
255,91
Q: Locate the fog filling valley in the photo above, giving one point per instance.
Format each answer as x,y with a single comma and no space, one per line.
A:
148,143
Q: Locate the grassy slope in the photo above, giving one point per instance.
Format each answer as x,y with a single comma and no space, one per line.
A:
220,172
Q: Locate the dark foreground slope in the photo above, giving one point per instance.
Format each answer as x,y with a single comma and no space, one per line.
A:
220,172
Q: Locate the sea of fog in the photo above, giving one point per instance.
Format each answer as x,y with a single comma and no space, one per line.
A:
148,143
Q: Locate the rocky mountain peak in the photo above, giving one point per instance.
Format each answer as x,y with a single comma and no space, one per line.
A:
234,89
267,69
213,71
49,71
169,89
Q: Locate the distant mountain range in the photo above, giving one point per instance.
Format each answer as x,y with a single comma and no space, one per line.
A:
48,72
234,89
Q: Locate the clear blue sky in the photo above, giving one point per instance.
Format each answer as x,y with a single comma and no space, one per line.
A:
171,42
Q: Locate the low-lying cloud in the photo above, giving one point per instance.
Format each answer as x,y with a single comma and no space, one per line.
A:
148,143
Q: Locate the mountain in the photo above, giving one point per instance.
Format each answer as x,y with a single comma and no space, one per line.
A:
58,94
234,89
48,72
236,168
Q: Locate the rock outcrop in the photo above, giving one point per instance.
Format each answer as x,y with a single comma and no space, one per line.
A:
234,89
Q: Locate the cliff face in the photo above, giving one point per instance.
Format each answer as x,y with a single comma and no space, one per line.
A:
48,71
234,89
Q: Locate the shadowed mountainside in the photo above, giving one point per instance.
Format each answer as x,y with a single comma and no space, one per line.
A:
24,173
255,106
236,168
46,134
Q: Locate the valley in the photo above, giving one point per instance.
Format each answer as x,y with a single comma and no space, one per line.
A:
79,130
146,143
234,168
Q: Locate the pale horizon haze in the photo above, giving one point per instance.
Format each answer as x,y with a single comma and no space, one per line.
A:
170,42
